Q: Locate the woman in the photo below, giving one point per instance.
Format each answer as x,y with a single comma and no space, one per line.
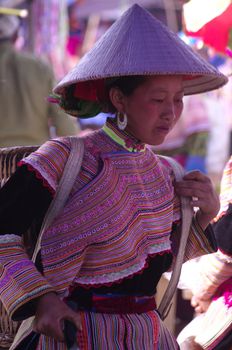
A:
118,231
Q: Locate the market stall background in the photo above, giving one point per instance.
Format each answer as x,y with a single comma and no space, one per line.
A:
50,25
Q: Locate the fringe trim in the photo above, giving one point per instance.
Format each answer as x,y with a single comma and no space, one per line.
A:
118,281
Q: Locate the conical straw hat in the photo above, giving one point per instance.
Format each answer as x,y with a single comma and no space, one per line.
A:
139,44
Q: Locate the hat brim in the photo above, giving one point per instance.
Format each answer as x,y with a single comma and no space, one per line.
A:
192,84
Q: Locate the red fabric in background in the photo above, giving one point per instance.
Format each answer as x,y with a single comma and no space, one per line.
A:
216,32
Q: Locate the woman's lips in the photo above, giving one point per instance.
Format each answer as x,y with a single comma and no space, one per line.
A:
163,129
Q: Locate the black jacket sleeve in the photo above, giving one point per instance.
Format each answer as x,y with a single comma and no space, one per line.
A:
23,200
223,231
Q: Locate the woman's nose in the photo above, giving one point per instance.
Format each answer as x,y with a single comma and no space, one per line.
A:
169,112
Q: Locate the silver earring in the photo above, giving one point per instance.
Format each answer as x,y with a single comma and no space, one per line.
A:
121,123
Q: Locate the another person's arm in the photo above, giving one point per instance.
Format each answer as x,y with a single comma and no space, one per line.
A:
213,270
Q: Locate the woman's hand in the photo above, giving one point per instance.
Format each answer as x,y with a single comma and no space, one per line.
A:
200,189
50,313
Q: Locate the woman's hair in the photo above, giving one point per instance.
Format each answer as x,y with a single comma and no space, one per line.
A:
84,108
126,84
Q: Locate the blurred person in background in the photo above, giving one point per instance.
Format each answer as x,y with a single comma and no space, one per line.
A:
210,280
26,117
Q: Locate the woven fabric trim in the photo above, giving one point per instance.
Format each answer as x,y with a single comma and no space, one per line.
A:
123,139
48,161
10,238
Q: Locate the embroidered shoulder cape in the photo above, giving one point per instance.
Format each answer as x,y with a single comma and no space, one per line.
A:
119,213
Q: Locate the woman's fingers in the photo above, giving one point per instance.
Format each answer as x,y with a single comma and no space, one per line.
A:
51,328
196,175
50,315
196,184
199,188
75,318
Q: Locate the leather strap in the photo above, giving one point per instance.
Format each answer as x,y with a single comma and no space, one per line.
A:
71,170
186,219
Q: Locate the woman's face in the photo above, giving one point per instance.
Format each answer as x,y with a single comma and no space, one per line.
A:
154,108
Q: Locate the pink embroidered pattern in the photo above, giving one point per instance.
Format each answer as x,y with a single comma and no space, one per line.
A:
122,203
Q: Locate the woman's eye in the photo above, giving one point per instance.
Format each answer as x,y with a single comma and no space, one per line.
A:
158,100
179,100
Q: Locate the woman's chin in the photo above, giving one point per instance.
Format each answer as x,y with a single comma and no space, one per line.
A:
156,141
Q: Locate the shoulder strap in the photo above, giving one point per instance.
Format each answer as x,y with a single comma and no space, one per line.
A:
186,214
72,168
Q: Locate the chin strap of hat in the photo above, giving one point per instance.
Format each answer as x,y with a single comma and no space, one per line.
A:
186,219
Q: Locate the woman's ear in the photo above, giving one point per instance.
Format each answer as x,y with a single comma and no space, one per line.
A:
117,99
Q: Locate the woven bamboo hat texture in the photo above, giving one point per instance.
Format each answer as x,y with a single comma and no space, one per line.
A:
139,44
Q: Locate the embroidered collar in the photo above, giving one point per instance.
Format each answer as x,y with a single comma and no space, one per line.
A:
129,142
